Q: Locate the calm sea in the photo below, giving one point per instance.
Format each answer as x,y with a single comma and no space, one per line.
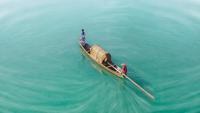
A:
42,69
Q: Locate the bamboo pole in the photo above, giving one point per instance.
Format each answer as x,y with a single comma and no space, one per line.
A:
136,84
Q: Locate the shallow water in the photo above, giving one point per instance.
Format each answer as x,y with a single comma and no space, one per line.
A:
42,70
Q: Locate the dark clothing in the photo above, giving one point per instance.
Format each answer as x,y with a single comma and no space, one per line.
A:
83,33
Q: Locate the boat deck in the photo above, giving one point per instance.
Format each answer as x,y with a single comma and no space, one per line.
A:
105,65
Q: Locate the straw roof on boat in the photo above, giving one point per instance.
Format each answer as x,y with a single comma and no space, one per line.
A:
99,54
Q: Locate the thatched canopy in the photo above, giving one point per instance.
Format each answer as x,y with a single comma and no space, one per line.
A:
99,54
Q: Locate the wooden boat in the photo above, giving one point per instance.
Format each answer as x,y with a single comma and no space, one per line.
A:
106,67
109,66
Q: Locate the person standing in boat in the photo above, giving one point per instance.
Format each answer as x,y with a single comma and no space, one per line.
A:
83,33
82,39
124,69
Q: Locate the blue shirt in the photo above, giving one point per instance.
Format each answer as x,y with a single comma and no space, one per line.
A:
83,33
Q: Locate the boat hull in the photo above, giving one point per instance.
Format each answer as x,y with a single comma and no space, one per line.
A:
101,65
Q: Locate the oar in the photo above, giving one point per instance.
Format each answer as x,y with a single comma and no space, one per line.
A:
137,85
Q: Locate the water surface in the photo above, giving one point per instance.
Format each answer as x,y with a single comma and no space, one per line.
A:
42,69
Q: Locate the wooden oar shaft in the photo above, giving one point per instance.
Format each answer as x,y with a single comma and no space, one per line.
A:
142,89
114,67
132,81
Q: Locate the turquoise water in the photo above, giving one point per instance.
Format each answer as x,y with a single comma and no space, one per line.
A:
42,69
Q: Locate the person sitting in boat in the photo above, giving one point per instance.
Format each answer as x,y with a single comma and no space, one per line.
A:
124,69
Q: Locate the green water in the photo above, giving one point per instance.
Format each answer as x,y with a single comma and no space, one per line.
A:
42,69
